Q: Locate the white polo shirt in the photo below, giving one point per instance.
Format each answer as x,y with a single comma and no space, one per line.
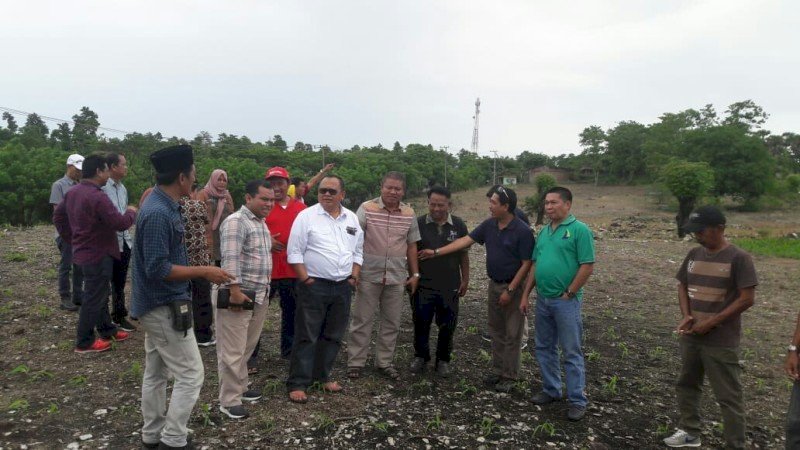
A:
328,247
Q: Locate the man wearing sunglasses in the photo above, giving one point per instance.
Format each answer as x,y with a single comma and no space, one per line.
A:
509,244
325,251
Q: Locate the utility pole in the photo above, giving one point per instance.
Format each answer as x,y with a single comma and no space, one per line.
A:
445,148
494,170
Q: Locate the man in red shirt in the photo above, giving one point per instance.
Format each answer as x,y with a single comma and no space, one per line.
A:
279,221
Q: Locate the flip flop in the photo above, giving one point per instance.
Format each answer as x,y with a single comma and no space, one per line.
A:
332,387
252,370
298,397
354,372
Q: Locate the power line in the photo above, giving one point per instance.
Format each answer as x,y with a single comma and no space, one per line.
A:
57,120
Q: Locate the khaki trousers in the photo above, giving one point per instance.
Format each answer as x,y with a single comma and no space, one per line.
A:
506,325
237,336
388,300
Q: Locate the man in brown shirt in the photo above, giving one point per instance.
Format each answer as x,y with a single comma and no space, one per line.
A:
716,284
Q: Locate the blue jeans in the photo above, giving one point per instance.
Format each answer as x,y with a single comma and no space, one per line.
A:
793,419
323,311
559,323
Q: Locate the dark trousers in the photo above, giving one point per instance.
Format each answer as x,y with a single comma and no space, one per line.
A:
118,278
425,304
65,266
285,288
202,310
721,366
323,311
94,307
793,419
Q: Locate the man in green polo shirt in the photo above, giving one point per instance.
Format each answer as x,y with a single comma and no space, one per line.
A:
563,260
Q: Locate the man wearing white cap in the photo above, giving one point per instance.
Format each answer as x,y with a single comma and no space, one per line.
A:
57,193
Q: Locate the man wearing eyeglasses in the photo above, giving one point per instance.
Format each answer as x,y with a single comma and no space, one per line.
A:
509,244
391,233
325,251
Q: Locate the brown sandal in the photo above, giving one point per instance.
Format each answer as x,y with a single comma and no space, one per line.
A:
354,372
298,396
252,370
332,387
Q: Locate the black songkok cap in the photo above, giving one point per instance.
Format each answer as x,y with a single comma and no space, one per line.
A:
172,159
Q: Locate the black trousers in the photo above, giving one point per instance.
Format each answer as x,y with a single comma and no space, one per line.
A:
321,317
443,305
94,307
65,266
202,309
118,278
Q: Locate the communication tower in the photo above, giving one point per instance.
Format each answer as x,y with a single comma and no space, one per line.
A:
474,147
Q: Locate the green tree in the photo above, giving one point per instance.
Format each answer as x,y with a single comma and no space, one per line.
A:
279,143
593,141
688,182
746,115
625,150
34,133
84,130
61,137
11,122
743,167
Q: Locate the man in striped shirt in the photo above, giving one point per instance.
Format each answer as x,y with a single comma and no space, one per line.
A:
245,250
390,264
716,284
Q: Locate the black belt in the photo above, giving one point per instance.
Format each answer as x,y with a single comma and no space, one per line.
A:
325,280
502,282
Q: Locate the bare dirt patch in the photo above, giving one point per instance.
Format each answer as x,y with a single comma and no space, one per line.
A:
52,397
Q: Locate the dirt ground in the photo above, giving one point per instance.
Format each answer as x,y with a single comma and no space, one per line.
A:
51,397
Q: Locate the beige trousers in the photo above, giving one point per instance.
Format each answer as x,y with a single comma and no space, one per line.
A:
237,335
506,324
372,297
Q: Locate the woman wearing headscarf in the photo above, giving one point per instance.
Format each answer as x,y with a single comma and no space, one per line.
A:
219,205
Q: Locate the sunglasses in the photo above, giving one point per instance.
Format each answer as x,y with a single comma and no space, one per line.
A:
327,191
502,190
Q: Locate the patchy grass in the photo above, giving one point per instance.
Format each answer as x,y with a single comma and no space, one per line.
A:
16,257
780,247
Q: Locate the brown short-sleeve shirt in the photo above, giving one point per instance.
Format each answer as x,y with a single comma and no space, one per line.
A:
713,282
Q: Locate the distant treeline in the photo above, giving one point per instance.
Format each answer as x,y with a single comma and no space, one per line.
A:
747,160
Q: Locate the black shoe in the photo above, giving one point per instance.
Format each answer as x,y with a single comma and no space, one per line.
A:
235,412
418,365
576,412
491,380
147,446
251,395
542,399
486,337
67,305
124,325
189,445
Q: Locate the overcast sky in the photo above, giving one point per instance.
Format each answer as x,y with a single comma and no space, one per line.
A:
366,72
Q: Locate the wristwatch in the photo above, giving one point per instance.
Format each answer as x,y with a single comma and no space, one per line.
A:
435,251
569,293
510,289
792,348
416,275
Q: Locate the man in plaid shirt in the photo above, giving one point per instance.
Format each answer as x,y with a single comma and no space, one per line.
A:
245,247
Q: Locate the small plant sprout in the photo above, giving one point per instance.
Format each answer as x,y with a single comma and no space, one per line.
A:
205,415
383,427
435,423
623,347
487,426
472,329
593,355
22,368
484,356
611,385
323,422
545,429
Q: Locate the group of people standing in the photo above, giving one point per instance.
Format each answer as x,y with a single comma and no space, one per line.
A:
192,252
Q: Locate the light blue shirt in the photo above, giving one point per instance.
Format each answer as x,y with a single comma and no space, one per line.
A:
119,197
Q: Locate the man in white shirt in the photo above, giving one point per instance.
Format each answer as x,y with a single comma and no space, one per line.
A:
326,252
118,194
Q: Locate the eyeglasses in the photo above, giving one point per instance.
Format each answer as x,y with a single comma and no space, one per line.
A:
327,191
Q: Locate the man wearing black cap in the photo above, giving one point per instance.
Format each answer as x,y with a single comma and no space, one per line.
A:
162,302
716,284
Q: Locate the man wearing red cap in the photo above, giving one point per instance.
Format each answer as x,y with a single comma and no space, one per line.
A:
279,221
